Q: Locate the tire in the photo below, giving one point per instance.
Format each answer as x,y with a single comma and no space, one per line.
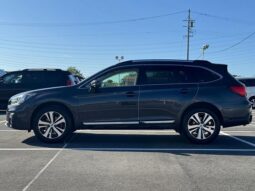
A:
52,124
252,100
201,126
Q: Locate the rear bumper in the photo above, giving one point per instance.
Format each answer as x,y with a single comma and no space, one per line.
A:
18,120
238,122
244,117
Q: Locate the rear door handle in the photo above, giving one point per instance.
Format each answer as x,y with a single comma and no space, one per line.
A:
184,91
130,94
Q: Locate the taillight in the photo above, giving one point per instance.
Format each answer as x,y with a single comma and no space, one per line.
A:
69,83
240,90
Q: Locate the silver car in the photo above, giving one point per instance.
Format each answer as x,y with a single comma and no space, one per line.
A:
250,86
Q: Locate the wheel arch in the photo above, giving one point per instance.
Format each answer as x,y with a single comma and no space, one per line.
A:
52,103
203,105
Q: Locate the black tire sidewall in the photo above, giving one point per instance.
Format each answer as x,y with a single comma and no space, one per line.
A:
186,133
60,110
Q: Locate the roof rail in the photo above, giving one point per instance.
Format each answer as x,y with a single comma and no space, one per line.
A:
42,69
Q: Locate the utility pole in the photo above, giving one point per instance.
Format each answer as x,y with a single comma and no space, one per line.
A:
190,25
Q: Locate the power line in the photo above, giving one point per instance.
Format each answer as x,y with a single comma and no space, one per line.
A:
222,18
236,44
81,45
59,24
57,45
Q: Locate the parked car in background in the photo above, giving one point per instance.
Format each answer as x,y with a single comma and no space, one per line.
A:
2,72
79,78
250,86
29,79
195,98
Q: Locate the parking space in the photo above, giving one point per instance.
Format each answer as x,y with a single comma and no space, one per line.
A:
127,160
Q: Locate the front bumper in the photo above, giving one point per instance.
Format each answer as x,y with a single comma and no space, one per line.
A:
18,120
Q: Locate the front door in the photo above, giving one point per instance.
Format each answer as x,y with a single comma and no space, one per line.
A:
115,100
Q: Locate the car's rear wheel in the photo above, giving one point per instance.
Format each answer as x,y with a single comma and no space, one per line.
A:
201,126
52,124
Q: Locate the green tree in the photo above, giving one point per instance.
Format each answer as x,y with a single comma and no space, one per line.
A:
75,71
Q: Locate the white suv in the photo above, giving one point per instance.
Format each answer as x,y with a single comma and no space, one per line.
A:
250,85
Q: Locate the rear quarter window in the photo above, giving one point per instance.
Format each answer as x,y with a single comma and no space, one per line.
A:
203,75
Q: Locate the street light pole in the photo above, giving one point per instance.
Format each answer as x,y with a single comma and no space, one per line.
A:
206,46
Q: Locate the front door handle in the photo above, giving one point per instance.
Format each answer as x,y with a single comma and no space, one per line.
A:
130,94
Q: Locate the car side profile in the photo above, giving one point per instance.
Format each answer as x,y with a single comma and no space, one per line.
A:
195,98
29,79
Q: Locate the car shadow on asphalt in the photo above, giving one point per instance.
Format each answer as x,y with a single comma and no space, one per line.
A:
2,112
223,145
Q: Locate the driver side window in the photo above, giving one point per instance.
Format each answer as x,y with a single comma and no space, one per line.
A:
120,79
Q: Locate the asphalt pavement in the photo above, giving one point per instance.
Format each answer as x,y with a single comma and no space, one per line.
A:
127,160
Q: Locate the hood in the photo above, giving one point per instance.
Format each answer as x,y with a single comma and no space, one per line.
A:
45,90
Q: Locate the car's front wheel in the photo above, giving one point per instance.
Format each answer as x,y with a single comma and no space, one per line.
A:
52,124
201,126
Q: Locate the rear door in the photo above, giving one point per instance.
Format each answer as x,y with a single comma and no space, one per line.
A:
164,91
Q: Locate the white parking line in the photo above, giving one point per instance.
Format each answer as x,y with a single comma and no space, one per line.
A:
30,149
117,149
240,131
2,122
130,131
239,139
44,168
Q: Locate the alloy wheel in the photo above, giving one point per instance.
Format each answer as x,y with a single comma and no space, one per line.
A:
52,125
201,125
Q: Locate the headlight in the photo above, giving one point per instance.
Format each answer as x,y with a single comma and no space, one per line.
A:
18,99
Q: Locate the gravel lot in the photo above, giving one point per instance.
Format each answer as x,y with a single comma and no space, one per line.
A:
127,160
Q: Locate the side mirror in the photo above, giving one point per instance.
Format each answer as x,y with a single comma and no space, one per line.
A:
93,86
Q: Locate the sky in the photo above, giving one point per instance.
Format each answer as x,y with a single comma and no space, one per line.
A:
89,34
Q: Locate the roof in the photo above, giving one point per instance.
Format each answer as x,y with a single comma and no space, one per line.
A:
164,61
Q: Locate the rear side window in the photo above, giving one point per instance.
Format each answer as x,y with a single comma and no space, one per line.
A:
177,74
165,76
248,82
